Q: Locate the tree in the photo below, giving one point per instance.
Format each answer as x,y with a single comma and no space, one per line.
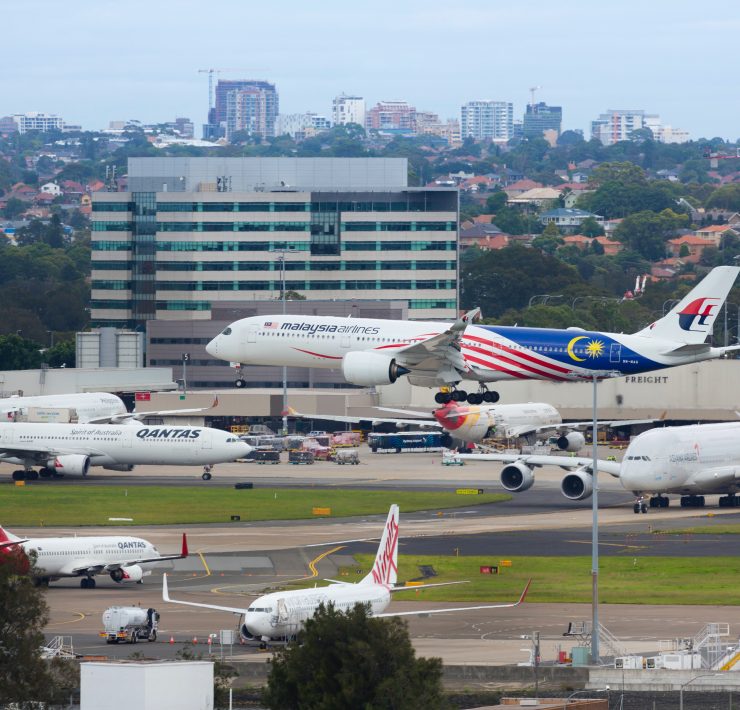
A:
17,353
13,208
24,676
350,660
684,251
510,221
646,232
726,197
496,201
591,228
62,354
551,230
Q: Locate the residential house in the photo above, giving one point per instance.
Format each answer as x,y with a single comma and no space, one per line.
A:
538,197
715,232
51,188
695,245
484,236
581,241
568,220
520,186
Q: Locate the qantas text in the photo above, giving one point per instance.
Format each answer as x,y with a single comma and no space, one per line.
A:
168,433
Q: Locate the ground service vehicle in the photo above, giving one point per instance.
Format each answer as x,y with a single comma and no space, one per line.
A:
350,456
129,624
267,456
298,457
408,441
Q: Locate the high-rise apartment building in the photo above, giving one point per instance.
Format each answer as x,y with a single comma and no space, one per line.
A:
301,125
253,109
540,117
618,125
391,116
487,120
193,233
348,109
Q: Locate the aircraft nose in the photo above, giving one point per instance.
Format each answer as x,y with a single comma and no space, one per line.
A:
245,449
212,347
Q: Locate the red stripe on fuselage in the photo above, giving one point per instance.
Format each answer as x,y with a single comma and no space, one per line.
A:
328,357
515,363
498,368
518,353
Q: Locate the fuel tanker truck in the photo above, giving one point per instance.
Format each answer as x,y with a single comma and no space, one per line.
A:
129,624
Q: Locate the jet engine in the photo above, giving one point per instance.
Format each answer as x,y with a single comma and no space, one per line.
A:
246,634
119,467
577,485
516,477
367,369
574,441
70,465
134,573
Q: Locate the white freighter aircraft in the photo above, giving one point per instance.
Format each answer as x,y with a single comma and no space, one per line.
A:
281,615
124,558
89,406
690,461
71,449
377,352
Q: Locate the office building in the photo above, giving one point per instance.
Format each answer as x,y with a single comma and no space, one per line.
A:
487,120
34,121
195,232
539,118
301,125
348,109
396,116
619,125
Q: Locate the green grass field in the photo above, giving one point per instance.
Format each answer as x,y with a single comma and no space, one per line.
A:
632,580
94,505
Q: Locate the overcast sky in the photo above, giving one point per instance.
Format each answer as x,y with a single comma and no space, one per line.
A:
102,60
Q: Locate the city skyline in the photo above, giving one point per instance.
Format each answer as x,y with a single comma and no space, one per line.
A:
588,59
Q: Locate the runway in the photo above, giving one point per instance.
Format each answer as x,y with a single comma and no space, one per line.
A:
230,561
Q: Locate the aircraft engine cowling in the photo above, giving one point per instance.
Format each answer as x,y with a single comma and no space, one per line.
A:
577,485
367,369
517,477
70,465
246,634
119,467
574,441
134,573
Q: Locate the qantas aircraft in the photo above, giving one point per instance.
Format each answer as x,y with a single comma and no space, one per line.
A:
124,558
500,422
281,615
71,449
689,461
88,405
378,352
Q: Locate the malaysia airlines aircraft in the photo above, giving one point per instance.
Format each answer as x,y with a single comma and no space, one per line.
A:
71,449
378,352
690,461
281,615
124,558
468,424
88,405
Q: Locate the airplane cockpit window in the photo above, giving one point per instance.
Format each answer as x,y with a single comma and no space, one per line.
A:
226,331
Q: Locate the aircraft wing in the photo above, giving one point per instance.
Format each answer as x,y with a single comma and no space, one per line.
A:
162,558
11,543
38,453
565,462
439,352
166,597
138,416
424,612
374,420
564,427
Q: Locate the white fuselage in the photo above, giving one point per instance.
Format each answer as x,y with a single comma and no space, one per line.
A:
127,444
87,405
490,353
691,460
282,615
61,556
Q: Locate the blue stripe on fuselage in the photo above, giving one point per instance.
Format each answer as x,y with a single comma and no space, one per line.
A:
553,344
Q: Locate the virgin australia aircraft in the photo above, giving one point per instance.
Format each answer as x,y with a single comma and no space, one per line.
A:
124,558
691,461
281,615
378,352
71,449
465,424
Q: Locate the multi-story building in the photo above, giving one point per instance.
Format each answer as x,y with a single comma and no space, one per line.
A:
24,122
218,114
487,120
397,116
540,117
301,125
253,109
348,109
192,233
619,125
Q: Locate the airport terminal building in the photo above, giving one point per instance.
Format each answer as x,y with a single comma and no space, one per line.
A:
194,232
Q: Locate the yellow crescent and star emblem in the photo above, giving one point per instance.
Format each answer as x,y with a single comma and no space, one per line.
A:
593,349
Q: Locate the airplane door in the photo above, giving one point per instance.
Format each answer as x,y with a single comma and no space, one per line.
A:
205,439
126,439
7,437
615,352
344,341
252,334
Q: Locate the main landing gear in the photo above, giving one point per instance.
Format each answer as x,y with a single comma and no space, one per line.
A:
87,583
692,501
659,502
729,501
28,474
483,395
206,476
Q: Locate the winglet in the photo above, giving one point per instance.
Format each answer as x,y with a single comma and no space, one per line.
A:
165,590
524,593
184,553
289,412
465,320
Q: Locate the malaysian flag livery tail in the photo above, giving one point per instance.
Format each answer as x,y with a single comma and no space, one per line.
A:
385,568
691,321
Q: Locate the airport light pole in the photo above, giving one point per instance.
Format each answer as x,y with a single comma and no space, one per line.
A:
281,256
595,530
691,680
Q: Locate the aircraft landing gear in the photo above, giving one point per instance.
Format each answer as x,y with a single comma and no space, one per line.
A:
692,501
483,395
87,583
659,502
240,382
26,474
729,501
19,475
206,476
640,506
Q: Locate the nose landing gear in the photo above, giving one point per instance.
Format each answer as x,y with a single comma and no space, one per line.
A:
206,476
240,382
640,505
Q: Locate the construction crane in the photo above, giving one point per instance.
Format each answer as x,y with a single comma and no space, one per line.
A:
714,157
210,73
532,89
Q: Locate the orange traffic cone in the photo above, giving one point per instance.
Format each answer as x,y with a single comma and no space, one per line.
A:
195,639
172,639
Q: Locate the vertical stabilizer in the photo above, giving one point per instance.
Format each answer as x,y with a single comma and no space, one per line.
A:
691,321
385,568
6,536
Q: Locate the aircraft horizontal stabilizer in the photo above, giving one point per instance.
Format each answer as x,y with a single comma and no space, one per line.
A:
166,597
